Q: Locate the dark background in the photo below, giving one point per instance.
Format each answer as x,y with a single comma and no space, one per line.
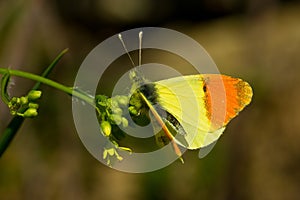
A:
256,158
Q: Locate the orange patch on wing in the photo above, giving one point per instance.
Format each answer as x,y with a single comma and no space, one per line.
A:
225,97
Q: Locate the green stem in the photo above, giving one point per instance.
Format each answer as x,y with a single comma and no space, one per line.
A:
10,132
16,122
12,128
49,82
48,70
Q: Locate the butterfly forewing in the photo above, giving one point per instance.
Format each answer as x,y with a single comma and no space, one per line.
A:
203,104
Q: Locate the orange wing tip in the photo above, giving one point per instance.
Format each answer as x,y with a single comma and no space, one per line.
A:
245,93
237,94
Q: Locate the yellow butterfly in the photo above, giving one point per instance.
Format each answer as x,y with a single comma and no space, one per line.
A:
198,107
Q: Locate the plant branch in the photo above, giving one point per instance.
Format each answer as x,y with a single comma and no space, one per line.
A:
12,128
49,82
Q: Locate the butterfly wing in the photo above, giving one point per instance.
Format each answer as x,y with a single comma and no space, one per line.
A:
203,104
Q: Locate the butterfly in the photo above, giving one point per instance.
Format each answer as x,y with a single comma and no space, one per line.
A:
193,110
196,108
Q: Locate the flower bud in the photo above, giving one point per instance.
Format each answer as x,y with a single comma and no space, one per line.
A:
33,105
123,100
15,100
133,110
30,112
34,95
101,100
111,151
104,154
117,119
117,111
13,112
124,122
114,103
23,100
106,128
136,102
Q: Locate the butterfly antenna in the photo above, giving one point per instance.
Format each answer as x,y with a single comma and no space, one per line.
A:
135,75
140,47
126,50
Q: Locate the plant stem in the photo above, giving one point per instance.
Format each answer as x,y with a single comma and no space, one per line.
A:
14,125
12,128
49,82
10,132
50,68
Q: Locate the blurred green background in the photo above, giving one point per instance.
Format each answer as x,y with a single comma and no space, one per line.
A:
256,158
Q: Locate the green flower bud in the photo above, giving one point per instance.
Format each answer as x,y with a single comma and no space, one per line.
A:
106,128
33,105
117,119
114,103
30,112
136,102
15,100
10,105
123,100
111,151
101,100
104,154
23,100
34,95
118,156
13,112
117,111
124,122
133,110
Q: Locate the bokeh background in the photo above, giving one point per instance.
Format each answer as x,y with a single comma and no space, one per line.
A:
256,158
